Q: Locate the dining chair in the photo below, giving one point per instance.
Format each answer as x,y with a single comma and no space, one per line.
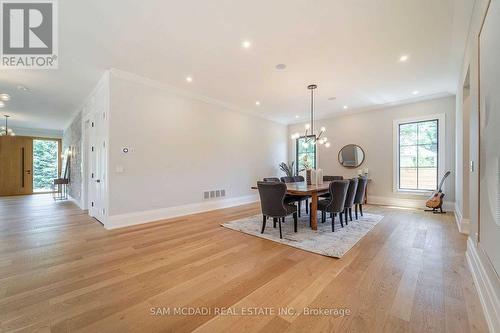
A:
349,200
272,196
329,179
332,178
359,198
335,204
298,198
271,179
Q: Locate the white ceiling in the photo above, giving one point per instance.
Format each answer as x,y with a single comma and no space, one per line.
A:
349,48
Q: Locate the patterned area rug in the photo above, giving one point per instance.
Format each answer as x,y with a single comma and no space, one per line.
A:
323,241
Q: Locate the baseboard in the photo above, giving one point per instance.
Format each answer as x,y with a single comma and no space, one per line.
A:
407,203
129,219
462,224
486,283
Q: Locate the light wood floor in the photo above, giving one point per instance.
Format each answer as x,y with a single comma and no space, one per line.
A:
62,271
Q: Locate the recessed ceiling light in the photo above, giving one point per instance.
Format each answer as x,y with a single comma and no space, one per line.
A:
297,117
246,44
404,58
345,107
4,97
2,104
332,98
280,66
22,88
257,103
415,92
189,79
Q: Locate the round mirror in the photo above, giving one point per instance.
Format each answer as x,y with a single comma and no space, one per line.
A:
351,156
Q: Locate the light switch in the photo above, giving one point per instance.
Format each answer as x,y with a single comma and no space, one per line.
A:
119,168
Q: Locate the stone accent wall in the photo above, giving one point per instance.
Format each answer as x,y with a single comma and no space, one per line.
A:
72,140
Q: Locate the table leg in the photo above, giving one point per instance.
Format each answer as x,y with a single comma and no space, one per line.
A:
314,211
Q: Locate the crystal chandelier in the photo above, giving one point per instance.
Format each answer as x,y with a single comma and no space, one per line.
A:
5,130
310,136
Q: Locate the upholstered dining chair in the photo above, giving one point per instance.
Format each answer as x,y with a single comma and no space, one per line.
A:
272,196
349,200
335,204
329,179
271,179
359,198
332,178
297,198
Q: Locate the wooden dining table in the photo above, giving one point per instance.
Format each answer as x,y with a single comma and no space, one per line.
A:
301,188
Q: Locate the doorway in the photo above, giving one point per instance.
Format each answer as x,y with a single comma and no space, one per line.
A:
46,164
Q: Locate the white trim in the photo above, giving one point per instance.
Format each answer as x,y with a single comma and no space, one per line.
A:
406,202
485,280
76,202
441,117
129,219
462,224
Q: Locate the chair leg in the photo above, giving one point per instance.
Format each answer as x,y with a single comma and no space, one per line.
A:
356,210
281,236
350,214
274,221
307,206
333,223
340,218
361,209
295,222
323,217
299,204
264,219
346,211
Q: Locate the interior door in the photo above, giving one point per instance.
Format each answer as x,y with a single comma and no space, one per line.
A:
16,164
97,163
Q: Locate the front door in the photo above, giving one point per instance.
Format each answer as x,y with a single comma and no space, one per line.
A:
16,165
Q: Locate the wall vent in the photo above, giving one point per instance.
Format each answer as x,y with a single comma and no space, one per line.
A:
213,194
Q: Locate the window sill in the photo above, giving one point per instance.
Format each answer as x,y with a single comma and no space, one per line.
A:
423,193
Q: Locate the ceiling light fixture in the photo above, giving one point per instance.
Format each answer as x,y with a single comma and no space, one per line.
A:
5,130
332,98
189,79
404,58
297,117
345,107
4,97
280,67
2,104
246,44
415,92
22,88
257,103
310,137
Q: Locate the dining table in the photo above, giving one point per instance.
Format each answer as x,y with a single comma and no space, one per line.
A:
312,190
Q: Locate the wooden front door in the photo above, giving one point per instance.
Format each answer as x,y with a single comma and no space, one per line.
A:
16,165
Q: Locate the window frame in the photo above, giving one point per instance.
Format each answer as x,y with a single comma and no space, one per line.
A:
315,162
441,155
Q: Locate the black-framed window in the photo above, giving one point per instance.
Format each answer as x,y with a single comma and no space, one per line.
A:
305,150
418,155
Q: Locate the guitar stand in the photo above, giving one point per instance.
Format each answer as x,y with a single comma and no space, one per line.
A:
435,210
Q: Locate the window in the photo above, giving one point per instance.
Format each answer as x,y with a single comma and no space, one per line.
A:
419,153
305,154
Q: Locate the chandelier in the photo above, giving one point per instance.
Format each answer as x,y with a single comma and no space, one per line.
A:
5,130
310,136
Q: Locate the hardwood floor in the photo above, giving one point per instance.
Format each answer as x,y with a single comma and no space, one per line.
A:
62,271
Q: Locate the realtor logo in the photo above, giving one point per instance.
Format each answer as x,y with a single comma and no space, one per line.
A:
29,34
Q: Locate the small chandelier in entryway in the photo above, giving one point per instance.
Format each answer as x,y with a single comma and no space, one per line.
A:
5,130
310,136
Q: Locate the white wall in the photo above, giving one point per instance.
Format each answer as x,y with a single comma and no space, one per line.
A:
373,131
180,146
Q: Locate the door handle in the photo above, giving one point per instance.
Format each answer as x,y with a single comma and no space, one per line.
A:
98,181
28,172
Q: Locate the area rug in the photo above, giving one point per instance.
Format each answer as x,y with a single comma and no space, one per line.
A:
323,241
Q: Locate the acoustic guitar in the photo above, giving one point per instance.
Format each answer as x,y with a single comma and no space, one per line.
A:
435,202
